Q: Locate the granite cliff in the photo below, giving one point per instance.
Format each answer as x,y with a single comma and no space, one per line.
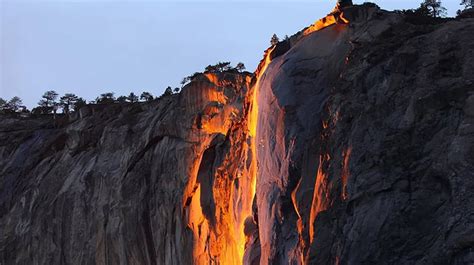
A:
352,143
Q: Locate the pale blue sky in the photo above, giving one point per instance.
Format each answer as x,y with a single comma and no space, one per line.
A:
92,47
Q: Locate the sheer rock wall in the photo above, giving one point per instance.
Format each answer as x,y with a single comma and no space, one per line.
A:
351,144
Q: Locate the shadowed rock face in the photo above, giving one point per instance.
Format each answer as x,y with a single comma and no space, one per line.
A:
365,156
364,147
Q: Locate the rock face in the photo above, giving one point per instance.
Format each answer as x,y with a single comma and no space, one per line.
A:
152,183
351,144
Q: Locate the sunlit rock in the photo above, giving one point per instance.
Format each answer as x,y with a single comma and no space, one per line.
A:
352,143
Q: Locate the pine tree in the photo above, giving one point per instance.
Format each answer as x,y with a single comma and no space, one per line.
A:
106,98
3,103
79,104
14,104
434,7
274,41
132,98
467,3
185,81
67,102
210,69
223,66
240,67
121,99
168,92
146,96
48,104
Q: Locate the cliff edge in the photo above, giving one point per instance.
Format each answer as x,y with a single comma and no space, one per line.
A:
353,143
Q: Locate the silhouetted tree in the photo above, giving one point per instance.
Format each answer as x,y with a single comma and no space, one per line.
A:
146,96
39,110
132,98
168,92
194,76
48,104
176,90
467,3
219,67
185,81
13,105
67,102
223,66
106,98
274,40
122,99
240,67
422,11
210,69
434,8
80,102
3,103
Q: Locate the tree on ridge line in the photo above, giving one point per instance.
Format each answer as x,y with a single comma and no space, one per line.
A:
433,8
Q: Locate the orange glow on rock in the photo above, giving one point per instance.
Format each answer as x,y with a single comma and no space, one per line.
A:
219,193
262,67
200,227
320,199
345,171
299,224
336,16
212,78
218,235
293,199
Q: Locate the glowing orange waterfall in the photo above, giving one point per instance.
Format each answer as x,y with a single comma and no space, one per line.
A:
253,116
248,181
219,193
221,189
